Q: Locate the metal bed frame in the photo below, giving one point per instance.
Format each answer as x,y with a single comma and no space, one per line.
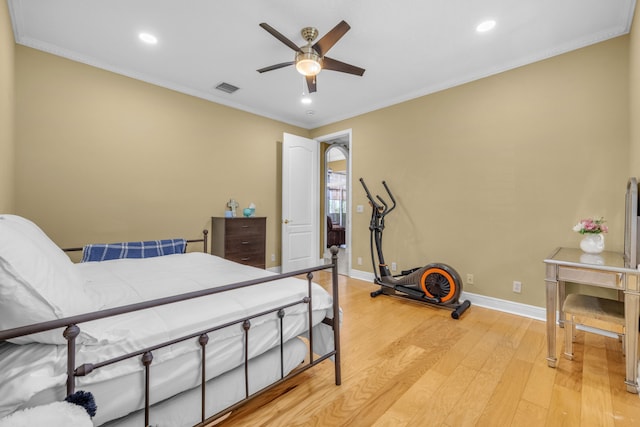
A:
204,241
72,330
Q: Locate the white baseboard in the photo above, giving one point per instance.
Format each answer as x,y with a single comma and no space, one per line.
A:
511,307
525,310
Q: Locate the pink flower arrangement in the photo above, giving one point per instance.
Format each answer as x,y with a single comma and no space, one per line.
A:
591,226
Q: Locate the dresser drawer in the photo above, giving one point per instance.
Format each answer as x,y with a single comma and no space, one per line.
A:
255,259
245,245
244,228
240,240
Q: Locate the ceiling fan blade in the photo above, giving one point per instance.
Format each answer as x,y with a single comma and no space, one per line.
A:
275,66
323,45
311,83
335,65
280,37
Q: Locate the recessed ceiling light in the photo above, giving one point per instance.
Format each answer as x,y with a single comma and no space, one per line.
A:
485,26
148,38
306,100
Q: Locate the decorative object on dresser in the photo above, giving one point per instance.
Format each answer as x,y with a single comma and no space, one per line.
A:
240,239
250,211
233,206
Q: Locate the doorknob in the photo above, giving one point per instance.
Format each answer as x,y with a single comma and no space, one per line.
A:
286,221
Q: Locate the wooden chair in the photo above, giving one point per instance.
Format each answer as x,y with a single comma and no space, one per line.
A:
601,313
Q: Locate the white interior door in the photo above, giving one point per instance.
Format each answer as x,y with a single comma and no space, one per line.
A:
300,202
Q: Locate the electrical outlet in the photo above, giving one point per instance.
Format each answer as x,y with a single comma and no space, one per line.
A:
273,257
517,287
469,279
394,266
359,261
359,208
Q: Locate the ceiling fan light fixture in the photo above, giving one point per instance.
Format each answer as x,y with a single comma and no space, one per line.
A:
310,59
308,63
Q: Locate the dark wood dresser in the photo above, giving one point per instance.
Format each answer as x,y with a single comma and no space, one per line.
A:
240,239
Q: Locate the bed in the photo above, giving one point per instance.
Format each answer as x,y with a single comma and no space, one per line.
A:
171,340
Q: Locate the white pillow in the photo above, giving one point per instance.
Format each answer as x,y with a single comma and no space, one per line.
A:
34,233
38,282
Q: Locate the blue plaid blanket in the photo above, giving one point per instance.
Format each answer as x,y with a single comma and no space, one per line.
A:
147,249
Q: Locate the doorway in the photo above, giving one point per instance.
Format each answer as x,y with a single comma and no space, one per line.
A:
335,197
304,224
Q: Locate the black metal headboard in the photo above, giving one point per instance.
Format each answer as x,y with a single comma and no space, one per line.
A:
204,241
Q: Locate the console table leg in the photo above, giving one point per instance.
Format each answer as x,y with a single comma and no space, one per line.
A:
552,297
631,308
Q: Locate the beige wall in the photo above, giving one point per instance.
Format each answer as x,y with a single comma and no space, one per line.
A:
491,176
634,91
102,157
7,48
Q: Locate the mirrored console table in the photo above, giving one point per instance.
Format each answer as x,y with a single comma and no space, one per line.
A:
606,270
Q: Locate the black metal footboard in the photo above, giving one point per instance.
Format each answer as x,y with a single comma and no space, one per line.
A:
72,330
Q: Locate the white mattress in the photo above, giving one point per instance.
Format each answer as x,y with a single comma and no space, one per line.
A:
118,388
184,408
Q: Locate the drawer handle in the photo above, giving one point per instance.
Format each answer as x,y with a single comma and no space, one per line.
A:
245,243
245,259
245,226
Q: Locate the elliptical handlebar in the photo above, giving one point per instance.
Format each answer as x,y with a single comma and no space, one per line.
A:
384,208
393,200
366,189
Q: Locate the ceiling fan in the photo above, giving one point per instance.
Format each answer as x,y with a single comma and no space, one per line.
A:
310,59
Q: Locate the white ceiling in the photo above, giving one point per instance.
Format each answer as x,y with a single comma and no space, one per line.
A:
409,48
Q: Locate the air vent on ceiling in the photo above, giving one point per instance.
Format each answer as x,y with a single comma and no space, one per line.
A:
226,87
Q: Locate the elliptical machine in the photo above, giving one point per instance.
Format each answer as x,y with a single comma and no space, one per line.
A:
435,284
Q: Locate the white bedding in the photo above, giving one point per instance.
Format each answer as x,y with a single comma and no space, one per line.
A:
184,408
176,368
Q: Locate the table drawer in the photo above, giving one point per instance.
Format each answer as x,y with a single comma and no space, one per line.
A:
605,279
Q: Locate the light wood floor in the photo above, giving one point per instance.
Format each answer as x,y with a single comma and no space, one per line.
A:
406,364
